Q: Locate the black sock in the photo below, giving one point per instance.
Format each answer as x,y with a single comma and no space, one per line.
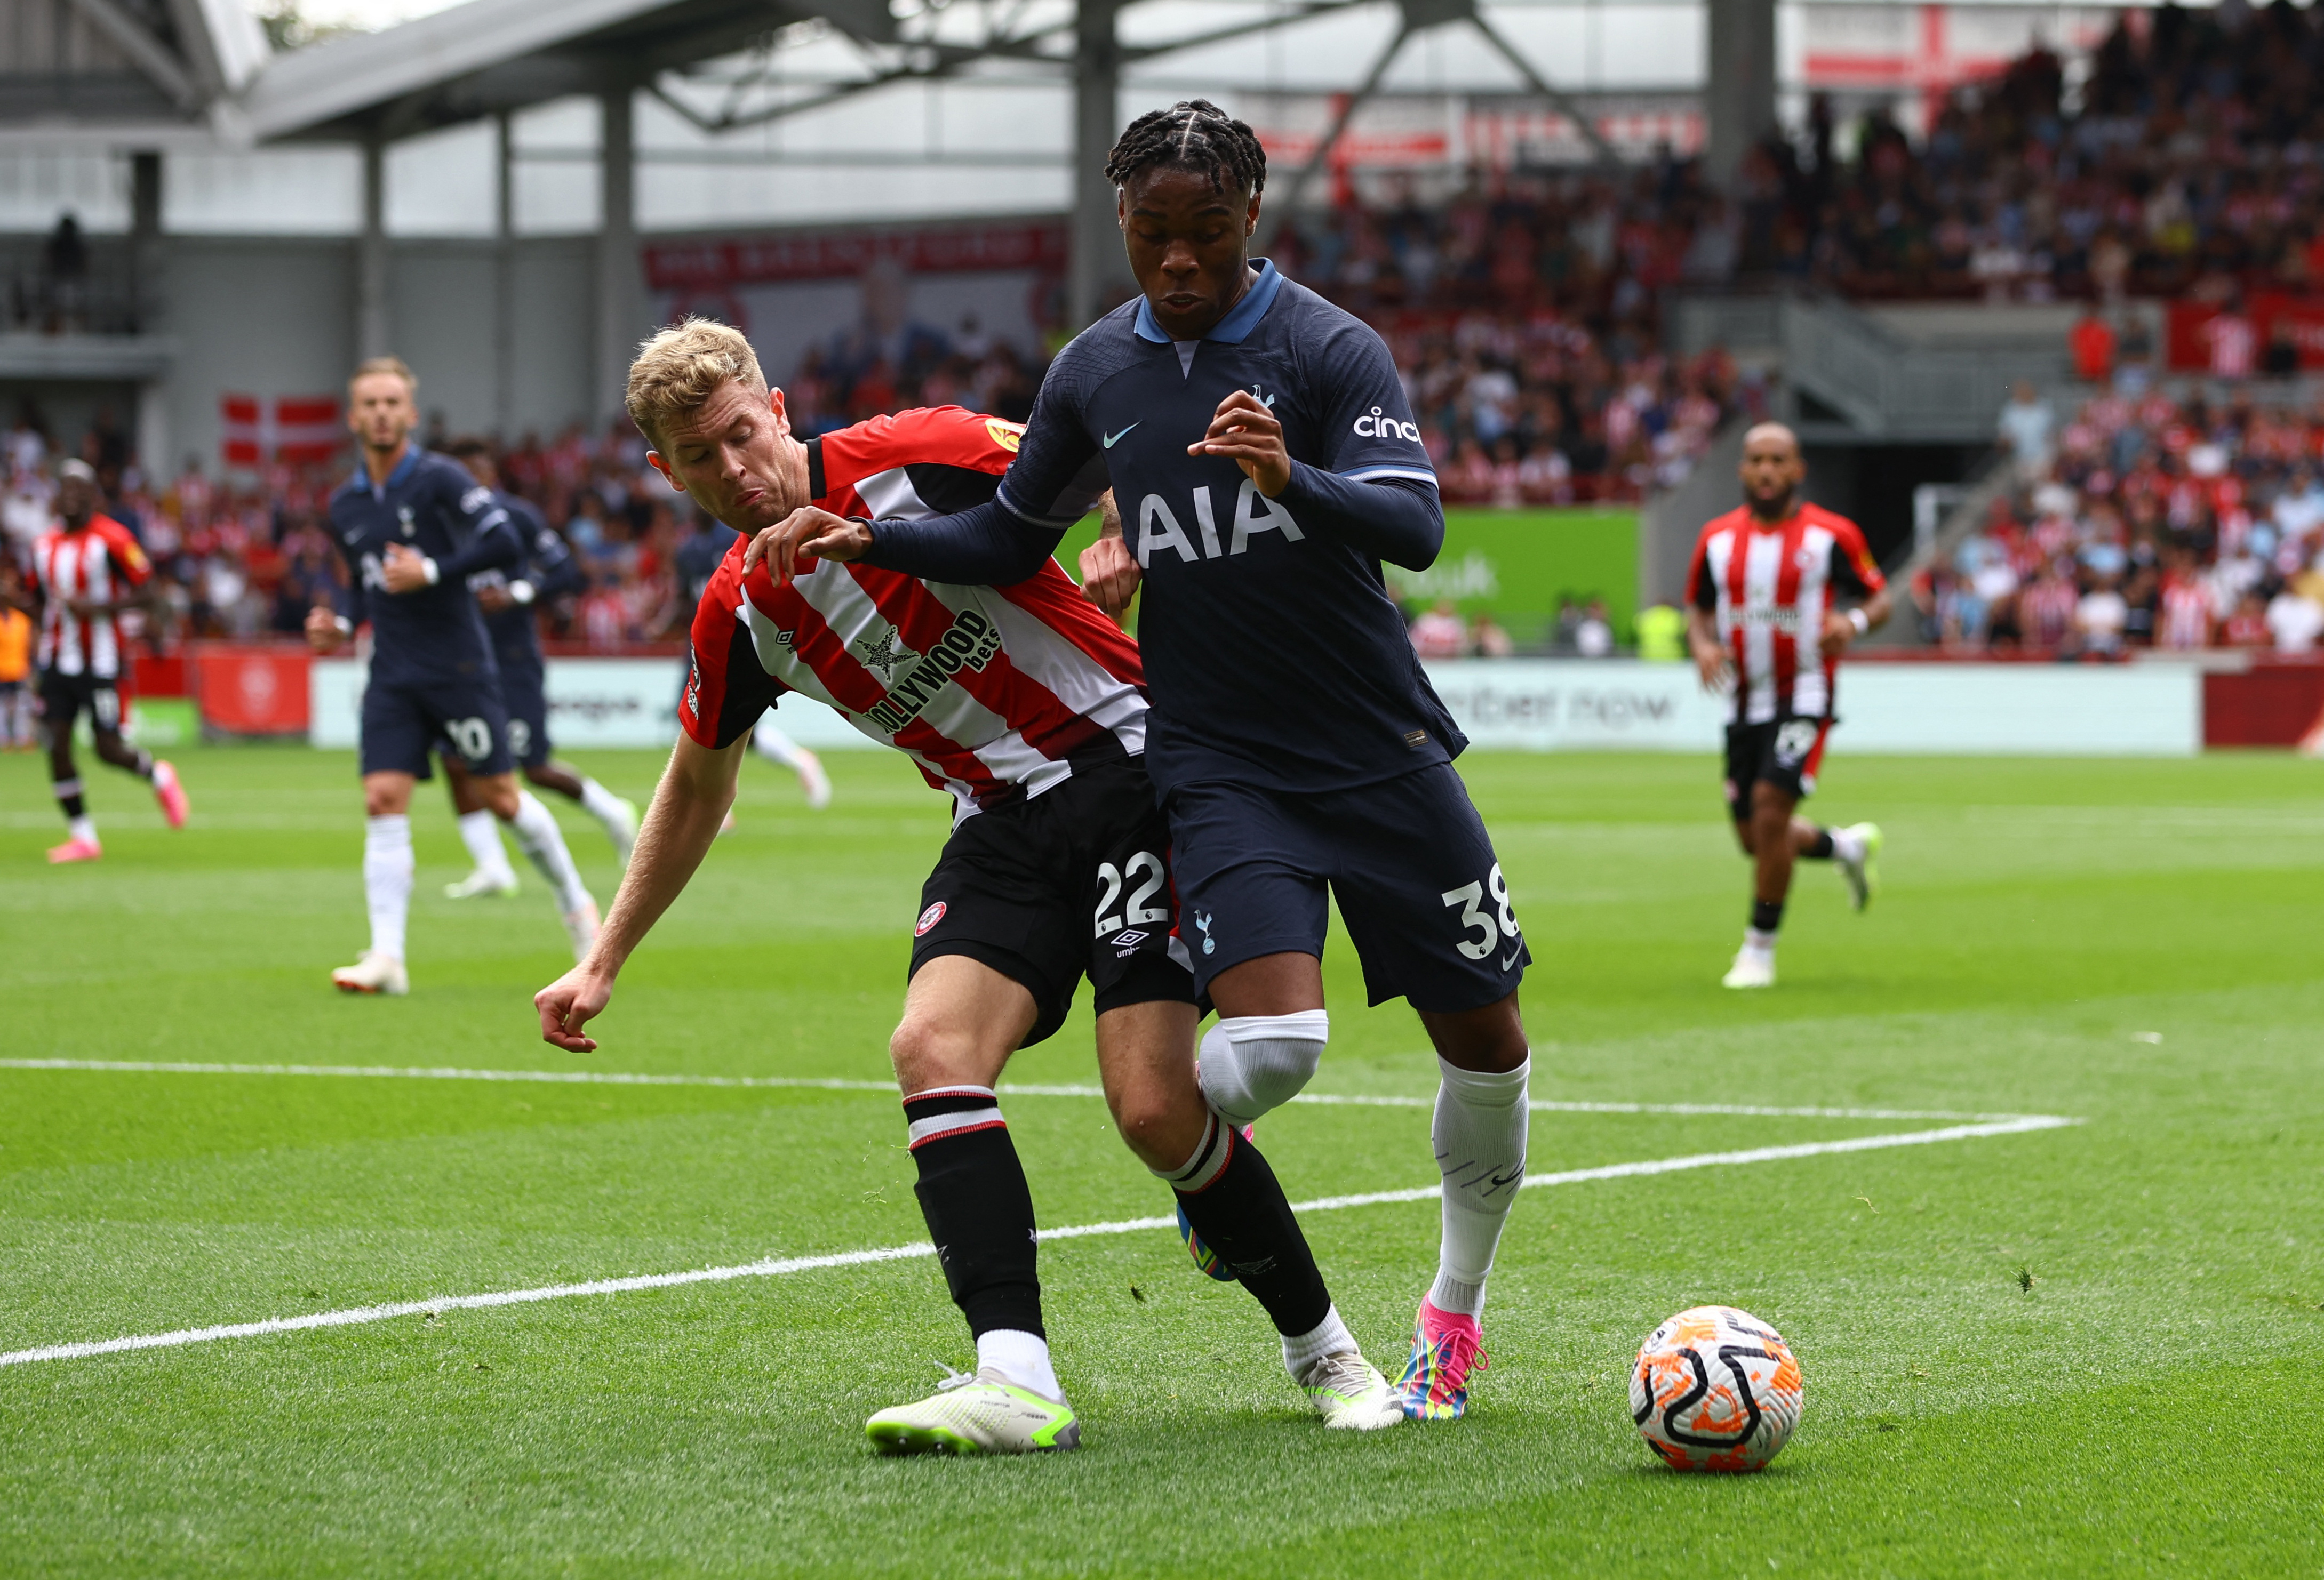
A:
978,1207
69,798
1766,915
1240,1213
1822,850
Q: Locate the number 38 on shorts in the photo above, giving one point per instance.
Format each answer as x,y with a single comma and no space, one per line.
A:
1485,929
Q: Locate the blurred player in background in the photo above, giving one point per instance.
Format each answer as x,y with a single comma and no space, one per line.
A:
88,570
15,662
1263,455
413,527
698,559
1027,705
510,601
1765,619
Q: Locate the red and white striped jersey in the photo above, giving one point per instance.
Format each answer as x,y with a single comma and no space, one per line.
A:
2186,621
97,563
1769,586
992,691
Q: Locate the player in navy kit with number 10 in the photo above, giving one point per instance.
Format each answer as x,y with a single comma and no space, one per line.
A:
1264,461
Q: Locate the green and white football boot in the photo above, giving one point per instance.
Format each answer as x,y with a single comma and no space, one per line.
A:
1863,874
983,1414
1350,1393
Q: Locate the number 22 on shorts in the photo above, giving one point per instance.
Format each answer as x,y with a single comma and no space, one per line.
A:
1471,898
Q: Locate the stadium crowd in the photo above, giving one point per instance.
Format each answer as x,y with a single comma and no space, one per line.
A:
2143,522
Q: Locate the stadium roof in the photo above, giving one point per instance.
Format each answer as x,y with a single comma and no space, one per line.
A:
164,64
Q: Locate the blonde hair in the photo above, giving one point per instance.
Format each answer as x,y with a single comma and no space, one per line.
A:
677,370
385,364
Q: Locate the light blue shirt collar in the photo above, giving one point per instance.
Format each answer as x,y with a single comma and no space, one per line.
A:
396,475
1236,327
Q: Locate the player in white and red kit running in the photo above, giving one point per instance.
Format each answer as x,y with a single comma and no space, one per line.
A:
1765,615
89,568
1028,705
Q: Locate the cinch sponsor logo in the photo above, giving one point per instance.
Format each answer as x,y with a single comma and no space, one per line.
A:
1373,426
1254,513
969,643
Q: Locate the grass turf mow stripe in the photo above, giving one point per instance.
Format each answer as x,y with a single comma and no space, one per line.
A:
1007,1088
778,1266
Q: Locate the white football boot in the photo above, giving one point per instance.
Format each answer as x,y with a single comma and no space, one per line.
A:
481,885
1863,874
373,973
1350,1393
1753,967
581,927
983,1414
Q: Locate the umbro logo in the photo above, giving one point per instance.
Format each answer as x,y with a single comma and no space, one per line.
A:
1125,944
1113,439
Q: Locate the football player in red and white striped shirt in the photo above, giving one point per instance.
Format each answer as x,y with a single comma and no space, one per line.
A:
1766,590
89,569
1027,705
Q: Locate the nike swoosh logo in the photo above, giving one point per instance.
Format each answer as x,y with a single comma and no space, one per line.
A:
1513,957
1113,439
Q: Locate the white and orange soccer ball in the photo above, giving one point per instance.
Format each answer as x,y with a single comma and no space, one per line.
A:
1715,1389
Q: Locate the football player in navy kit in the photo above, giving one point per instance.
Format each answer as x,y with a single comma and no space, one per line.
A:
510,601
413,527
1265,461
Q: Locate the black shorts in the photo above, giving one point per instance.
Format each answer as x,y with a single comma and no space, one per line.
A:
1783,752
1074,882
1407,859
402,724
63,698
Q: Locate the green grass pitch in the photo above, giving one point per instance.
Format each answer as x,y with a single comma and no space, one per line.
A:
2083,1350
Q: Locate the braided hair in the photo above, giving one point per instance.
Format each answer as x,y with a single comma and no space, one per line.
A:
1193,134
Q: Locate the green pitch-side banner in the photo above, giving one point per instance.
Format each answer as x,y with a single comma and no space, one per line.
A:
1516,564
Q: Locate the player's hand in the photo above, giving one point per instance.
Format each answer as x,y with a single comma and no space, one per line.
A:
807,533
1838,630
84,608
403,568
1246,432
570,1003
323,630
1715,664
492,600
1110,576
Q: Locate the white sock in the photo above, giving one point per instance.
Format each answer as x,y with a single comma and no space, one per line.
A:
1480,1132
82,828
1022,1357
1759,941
1847,844
602,803
1253,1063
541,840
773,745
387,881
1328,1337
1206,1164
480,831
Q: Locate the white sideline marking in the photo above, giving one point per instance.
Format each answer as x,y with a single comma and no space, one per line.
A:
835,1084
777,1267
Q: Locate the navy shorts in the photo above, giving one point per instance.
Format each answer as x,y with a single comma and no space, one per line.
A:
402,723
1407,859
522,690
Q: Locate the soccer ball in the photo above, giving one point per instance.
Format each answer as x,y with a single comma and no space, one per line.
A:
1715,1389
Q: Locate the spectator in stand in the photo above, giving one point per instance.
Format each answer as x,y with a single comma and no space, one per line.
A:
2246,627
16,663
2028,429
2233,343
2091,343
1439,634
2294,621
1593,638
1487,640
2186,621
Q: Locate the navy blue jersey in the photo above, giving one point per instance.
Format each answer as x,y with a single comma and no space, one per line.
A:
429,502
1274,656
546,571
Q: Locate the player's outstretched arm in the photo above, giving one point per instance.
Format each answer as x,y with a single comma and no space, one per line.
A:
688,804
